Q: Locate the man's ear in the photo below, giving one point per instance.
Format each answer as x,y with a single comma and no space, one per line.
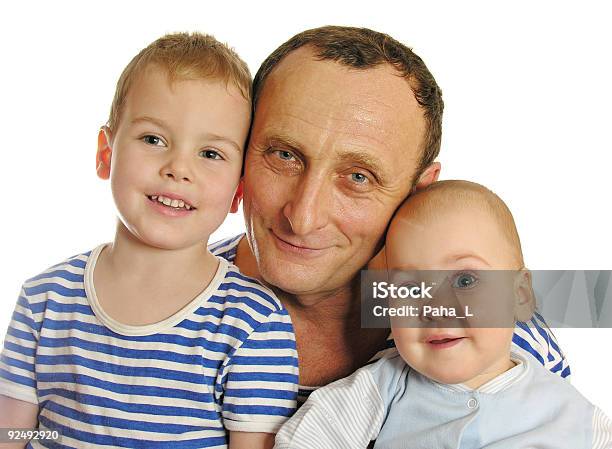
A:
525,298
103,155
429,176
237,197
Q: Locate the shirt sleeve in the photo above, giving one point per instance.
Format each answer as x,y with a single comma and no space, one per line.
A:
536,338
17,373
602,430
345,414
260,382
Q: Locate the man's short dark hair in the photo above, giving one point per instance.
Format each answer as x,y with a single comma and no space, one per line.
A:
362,48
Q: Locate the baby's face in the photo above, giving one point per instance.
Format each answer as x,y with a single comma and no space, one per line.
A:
466,243
176,158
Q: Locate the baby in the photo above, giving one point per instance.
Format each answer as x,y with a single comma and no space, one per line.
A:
151,341
456,385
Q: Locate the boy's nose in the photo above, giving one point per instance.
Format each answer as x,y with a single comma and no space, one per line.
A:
178,170
176,175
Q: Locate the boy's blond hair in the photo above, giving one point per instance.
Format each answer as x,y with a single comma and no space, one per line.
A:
185,56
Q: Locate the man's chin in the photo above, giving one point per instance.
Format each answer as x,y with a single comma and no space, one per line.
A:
300,273
305,283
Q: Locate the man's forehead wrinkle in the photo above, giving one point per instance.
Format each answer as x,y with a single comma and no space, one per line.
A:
353,135
359,116
361,131
328,93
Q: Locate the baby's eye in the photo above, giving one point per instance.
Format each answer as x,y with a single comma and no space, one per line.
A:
210,154
415,289
464,280
153,140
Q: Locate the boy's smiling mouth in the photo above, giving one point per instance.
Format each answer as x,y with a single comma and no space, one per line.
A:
175,203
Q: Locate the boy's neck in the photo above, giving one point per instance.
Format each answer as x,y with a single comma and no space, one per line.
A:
131,257
137,284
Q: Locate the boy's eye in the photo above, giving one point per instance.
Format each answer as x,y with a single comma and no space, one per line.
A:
153,140
210,154
464,280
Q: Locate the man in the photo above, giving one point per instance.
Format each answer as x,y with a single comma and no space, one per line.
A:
347,123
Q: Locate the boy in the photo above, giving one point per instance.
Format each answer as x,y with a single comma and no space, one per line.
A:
151,341
455,385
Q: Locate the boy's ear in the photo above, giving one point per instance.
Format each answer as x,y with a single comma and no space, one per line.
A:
237,197
429,176
103,155
525,298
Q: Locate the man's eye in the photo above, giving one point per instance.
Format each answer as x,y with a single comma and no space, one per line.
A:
153,140
284,155
210,154
464,280
359,178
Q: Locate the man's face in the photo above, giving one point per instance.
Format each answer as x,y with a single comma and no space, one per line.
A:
332,153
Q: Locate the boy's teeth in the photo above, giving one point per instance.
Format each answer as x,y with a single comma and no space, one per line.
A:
177,204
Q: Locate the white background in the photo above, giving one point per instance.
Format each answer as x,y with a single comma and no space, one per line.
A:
526,86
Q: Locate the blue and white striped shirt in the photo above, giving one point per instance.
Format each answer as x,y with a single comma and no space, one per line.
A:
227,360
534,337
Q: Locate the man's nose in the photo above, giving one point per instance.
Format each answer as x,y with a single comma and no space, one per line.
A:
177,167
308,207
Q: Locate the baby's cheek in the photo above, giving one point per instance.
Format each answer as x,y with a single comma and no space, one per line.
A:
493,341
407,343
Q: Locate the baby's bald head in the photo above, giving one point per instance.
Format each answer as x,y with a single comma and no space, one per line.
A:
454,206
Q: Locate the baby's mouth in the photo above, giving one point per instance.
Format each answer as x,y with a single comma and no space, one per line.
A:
444,340
169,202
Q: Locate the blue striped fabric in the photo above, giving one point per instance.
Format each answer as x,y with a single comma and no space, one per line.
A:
533,337
227,361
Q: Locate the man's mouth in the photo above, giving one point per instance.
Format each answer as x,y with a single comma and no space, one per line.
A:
173,203
298,246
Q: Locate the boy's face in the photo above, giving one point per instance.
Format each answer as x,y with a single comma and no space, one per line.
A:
464,242
176,158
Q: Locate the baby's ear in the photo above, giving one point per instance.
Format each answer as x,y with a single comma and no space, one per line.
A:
103,155
523,293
